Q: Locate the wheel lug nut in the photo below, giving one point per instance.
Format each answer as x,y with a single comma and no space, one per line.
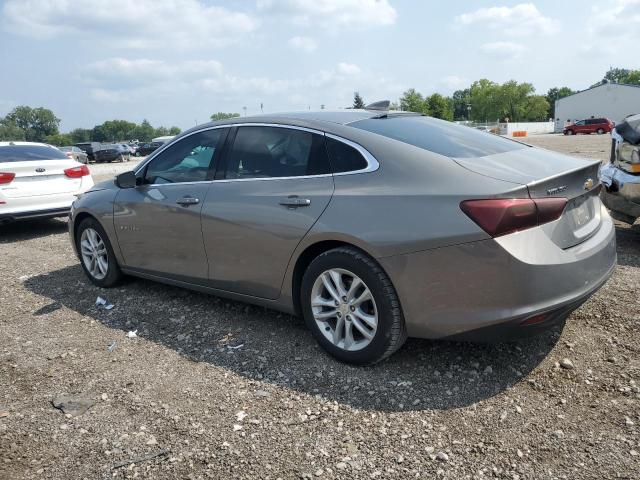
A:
344,299
348,318
353,309
337,303
339,315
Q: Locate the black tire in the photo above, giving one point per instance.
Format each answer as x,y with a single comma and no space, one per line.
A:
569,132
391,331
114,275
600,131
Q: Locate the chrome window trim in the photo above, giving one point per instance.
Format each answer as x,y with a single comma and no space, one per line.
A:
372,163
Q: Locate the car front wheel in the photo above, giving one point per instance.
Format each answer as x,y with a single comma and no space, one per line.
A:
96,254
600,131
569,132
351,307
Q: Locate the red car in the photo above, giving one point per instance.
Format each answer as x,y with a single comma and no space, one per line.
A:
590,125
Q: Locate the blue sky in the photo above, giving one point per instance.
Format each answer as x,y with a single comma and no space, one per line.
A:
175,62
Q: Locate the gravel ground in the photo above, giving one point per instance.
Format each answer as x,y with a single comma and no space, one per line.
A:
218,389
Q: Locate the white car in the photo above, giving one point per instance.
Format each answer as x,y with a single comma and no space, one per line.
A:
38,181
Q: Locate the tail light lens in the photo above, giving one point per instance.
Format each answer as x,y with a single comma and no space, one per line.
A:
77,172
6,177
500,216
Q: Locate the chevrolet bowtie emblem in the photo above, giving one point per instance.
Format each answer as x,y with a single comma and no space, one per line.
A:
588,184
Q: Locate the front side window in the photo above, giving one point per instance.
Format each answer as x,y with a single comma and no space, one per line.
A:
187,160
580,122
270,152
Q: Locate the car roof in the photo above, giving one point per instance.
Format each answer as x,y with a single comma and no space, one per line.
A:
319,117
25,144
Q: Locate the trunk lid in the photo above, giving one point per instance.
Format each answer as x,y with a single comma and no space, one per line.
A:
549,174
43,177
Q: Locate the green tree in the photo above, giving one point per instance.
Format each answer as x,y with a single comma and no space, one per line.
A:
79,135
412,101
439,106
10,131
174,131
59,139
144,132
223,116
460,100
486,100
620,75
113,130
37,123
556,94
358,102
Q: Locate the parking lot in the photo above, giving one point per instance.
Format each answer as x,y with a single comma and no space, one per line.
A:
210,388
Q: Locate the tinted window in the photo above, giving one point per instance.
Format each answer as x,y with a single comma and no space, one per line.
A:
439,136
343,157
265,152
27,153
187,160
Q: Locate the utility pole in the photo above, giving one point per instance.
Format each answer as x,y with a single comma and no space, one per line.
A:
261,107
245,111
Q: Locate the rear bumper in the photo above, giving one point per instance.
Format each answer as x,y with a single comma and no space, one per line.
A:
485,290
34,214
622,192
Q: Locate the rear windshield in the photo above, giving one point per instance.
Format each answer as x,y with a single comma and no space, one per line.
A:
27,153
439,136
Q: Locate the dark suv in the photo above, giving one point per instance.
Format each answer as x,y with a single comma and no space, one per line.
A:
590,125
90,148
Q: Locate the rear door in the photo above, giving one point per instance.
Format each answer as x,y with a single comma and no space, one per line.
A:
275,185
158,222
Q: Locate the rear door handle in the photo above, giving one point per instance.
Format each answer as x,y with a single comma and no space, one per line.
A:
293,201
186,201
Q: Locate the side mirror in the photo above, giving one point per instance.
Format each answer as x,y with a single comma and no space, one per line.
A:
126,180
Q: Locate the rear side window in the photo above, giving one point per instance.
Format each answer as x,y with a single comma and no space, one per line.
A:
343,157
439,136
272,152
28,153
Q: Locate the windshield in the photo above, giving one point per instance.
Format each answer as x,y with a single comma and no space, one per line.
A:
27,153
439,136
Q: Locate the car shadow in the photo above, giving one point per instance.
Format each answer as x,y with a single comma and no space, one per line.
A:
30,229
628,240
276,348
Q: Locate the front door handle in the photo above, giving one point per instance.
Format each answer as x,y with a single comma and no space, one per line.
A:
293,201
186,201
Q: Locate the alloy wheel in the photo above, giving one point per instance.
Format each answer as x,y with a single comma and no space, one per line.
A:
94,253
344,309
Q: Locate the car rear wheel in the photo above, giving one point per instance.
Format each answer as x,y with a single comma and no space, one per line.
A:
351,307
96,254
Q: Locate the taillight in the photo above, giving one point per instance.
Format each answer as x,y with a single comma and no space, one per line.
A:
500,216
77,172
6,177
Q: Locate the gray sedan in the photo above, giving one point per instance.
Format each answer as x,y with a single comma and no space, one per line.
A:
372,225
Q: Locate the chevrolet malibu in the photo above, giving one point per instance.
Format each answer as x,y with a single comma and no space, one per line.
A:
372,225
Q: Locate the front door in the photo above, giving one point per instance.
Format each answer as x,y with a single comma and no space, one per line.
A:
275,185
158,222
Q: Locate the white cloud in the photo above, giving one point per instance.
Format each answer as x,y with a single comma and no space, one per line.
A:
348,68
306,44
502,49
521,19
131,24
124,80
453,82
332,13
620,18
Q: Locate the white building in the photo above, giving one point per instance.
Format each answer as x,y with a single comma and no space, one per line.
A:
611,100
